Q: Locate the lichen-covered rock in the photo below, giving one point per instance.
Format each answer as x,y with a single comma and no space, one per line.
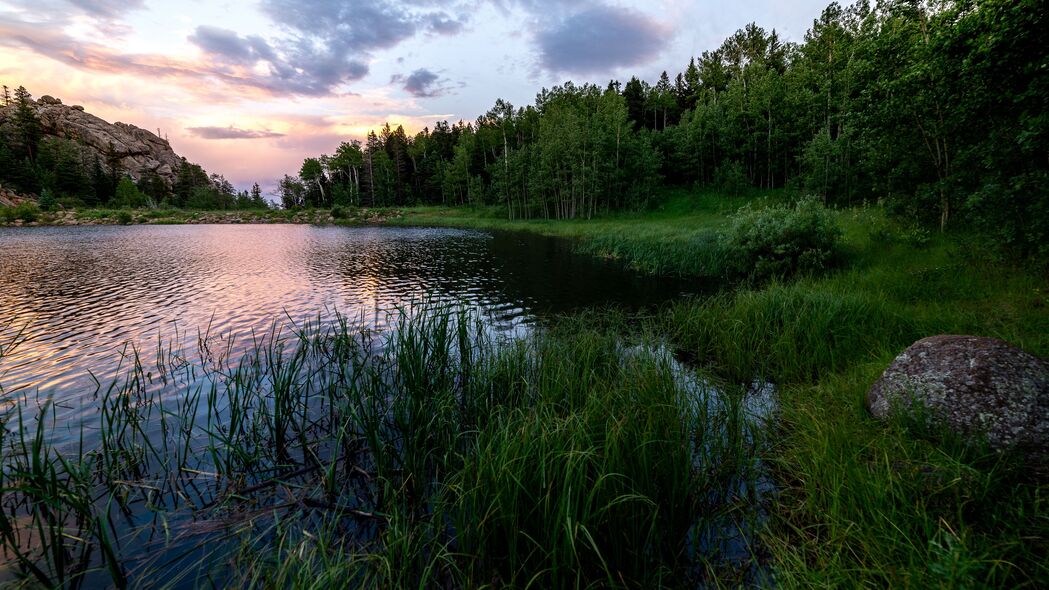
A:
138,151
976,386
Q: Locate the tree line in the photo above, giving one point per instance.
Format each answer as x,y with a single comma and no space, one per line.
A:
936,108
61,171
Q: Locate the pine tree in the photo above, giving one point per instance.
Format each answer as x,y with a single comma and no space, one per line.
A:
27,125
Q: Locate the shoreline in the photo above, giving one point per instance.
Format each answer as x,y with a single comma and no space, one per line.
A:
80,217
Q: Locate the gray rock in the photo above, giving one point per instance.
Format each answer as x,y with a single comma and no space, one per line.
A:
976,386
138,151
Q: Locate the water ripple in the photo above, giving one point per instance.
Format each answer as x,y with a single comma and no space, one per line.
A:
82,294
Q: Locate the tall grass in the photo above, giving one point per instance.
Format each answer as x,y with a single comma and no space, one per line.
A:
434,455
863,503
787,332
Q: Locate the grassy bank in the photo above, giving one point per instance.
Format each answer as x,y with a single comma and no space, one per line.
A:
861,503
674,239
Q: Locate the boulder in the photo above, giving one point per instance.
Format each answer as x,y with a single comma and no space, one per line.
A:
975,386
9,198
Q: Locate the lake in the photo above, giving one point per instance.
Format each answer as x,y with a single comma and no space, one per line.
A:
192,443
81,294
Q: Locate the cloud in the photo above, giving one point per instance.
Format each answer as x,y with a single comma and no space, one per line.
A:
232,47
326,43
422,83
331,41
599,38
109,9
320,47
231,132
442,24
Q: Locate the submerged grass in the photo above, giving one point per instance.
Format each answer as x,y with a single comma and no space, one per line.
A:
431,456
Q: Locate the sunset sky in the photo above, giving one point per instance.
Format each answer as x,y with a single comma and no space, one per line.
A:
248,89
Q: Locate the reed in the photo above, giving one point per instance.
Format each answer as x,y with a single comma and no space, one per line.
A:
434,454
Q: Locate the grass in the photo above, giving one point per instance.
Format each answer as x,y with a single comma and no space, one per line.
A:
433,456
677,238
861,503
569,459
28,213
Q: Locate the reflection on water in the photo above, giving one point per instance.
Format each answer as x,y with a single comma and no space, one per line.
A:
83,293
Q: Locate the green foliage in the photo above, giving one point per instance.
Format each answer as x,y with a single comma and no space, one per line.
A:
26,212
47,201
1014,216
124,217
787,333
730,178
128,196
779,241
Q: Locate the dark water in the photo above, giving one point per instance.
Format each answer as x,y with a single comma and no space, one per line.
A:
82,294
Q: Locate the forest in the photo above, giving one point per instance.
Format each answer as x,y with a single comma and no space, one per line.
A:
938,110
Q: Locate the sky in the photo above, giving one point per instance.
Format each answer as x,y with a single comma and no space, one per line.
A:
248,89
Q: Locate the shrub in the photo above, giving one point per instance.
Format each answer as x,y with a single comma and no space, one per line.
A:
781,240
27,212
338,213
1012,216
731,178
70,203
124,217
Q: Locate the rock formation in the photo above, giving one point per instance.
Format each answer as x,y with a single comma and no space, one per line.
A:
138,151
975,386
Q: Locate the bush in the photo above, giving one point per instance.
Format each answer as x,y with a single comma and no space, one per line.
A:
27,212
781,240
124,217
338,213
70,203
1012,216
730,178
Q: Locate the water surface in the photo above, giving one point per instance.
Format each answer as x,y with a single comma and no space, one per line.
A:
83,294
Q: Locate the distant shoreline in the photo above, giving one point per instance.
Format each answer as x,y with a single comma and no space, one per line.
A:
74,218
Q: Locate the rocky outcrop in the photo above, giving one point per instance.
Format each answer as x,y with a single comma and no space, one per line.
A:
10,198
138,151
975,386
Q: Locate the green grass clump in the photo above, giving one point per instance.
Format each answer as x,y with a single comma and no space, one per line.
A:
866,504
787,333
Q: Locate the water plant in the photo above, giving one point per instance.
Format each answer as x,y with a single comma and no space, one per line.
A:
436,454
